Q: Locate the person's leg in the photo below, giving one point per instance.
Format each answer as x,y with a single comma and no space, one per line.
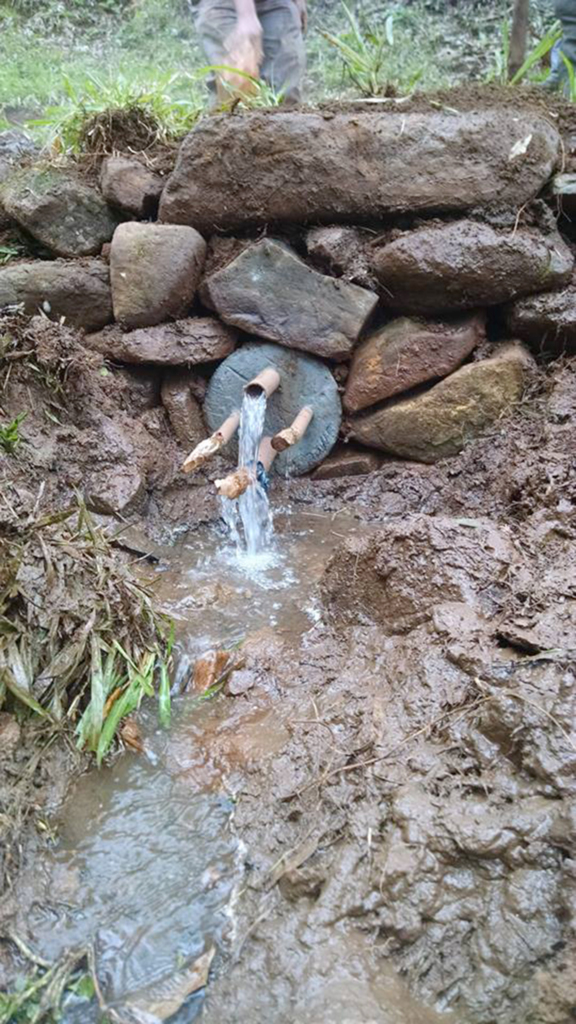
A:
284,51
215,21
565,10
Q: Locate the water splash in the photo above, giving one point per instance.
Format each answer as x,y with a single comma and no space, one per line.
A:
252,508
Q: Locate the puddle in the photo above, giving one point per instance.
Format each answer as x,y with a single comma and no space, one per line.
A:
146,862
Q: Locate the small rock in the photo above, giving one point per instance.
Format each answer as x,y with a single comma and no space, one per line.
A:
9,734
208,671
406,353
64,214
154,270
185,342
114,491
270,292
466,264
342,250
183,409
129,185
547,322
347,460
80,292
240,682
439,422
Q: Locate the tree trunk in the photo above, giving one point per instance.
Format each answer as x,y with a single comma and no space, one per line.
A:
518,36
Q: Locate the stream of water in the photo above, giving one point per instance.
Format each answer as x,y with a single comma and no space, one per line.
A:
252,509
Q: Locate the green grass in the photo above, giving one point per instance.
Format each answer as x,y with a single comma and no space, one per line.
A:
150,47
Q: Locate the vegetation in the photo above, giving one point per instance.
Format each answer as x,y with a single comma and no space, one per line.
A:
10,434
89,646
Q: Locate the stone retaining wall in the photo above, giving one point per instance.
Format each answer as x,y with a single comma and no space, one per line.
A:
417,254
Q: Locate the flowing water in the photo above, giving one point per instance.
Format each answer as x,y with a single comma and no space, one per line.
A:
252,507
146,865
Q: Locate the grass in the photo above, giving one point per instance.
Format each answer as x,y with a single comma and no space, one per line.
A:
10,434
99,53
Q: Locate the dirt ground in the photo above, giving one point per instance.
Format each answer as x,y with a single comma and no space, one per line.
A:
409,850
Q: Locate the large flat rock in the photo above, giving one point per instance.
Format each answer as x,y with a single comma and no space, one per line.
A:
199,339
154,271
439,422
547,322
408,352
268,291
67,216
336,166
466,264
78,291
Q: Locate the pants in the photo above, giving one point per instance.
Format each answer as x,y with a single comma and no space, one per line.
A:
565,11
282,42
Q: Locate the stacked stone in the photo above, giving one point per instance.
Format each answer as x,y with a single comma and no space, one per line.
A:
399,306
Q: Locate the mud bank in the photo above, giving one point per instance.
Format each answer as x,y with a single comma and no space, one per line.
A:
409,837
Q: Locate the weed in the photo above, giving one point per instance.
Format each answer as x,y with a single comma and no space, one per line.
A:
80,641
363,52
9,252
10,434
570,84
536,55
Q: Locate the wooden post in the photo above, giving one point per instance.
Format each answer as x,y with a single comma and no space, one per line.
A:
206,449
236,483
295,432
518,36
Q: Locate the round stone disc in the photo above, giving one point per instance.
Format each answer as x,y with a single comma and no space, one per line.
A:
303,381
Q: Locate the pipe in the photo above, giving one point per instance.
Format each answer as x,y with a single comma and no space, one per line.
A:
206,449
236,483
267,381
295,432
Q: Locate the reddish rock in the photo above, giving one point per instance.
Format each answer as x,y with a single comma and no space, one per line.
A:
154,270
129,185
335,166
439,422
183,343
183,409
347,460
547,322
406,353
268,291
79,292
467,264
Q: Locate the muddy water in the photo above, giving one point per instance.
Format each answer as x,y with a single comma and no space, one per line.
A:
146,864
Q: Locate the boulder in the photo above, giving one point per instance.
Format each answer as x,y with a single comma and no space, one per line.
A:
343,251
547,322
439,422
130,186
347,460
183,408
466,264
154,270
406,353
199,339
267,290
330,167
15,148
114,481
68,217
80,292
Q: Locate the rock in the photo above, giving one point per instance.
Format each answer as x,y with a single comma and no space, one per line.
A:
9,734
465,264
154,270
115,483
208,671
15,148
269,291
342,251
129,185
547,322
183,409
200,339
347,460
115,491
439,422
80,292
241,681
303,381
398,575
64,214
327,167
406,353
